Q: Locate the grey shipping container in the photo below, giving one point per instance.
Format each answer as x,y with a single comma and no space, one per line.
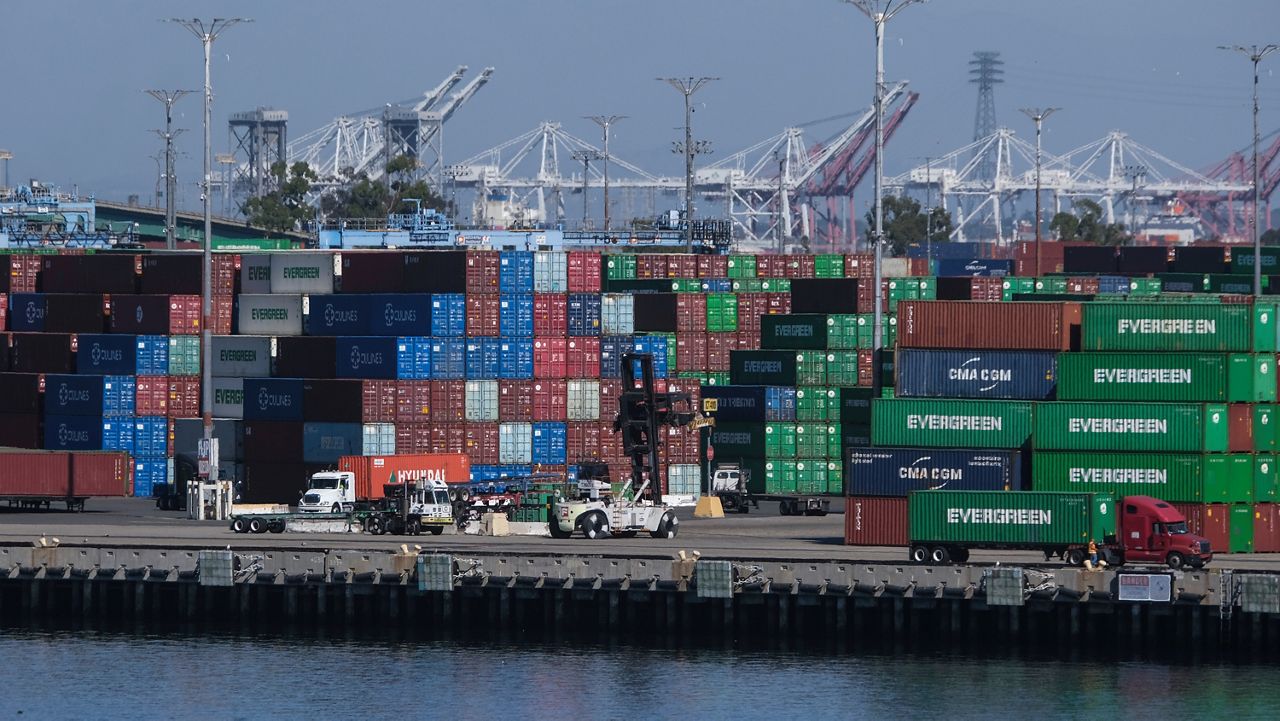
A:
241,356
255,273
269,314
1028,375
302,273
229,431
228,397
899,471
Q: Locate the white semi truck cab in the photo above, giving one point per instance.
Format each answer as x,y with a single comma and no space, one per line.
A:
329,492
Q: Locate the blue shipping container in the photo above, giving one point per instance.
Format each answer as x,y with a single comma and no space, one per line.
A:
413,358
448,315
656,345
119,396
515,316
611,349
1113,284
337,315
484,358
515,271
151,436
26,312
448,359
954,251
103,354
584,314
515,359
273,399
400,314
117,435
550,441
148,473
968,267
779,403
73,433
1027,375
326,442
73,395
899,471
153,355
717,285
365,357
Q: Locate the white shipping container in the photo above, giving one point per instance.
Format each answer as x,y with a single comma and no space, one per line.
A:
584,400
684,479
241,356
482,401
228,398
895,267
269,314
255,273
550,272
617,314
378,439
515,443
296,272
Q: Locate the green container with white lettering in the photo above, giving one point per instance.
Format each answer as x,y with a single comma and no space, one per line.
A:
1204,377
1167,327
1174,477
939,423
1027,519
1131,427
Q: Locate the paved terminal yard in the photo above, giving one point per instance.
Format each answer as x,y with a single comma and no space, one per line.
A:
759,535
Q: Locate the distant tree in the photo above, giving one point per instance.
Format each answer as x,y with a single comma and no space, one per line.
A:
362,197
905,224
1086,224
1271,237
282,209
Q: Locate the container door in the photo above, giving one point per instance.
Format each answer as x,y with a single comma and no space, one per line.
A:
1241,528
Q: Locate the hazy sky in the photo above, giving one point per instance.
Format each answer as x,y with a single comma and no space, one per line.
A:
75,111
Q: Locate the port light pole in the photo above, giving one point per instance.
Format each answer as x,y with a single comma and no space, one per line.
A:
687,87
1255,55
168,98
1038,116
585,157
605,122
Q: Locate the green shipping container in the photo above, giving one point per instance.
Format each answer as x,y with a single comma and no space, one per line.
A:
780,440
780,476
935,423
817,403
1204,377
1242,260
718,378
1265,486
742,266
1131,427
1176,477
855,406
686,285
733,441
764,368
1240,528
1266,434
1144,286
722,312
842,331
620,267
1051,285
1017,286
817,440
807,331
184,355
828,265
1169,327
998,518
811,368
842,368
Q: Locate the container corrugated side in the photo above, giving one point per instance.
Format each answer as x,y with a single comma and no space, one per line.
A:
269,314
937,423
1168,476
1165,327
875,521
1131,427
35,474
899,471
1029,518
1204,377
986,325
100,474
975,374
373,471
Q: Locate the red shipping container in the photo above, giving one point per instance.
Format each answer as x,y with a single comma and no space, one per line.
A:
4,313
106,474
448,401
1082,285
482,443
748,339
691,312
996,326
24,273
223,310
987,288
583,442
152,396
35,474
1208,520
872,521
483,315
378,401
1266,528
582,358
750,307
1240,428
771,266
550,400
413,403
651,265
185,312
713,266
584,271
225,270
860,265
719,345
515,400
184,397
550,315
691,351
682,266
801,266
373,471
1051,255
918,266
448,438
416,438
779,304
483,268
550,357
682,445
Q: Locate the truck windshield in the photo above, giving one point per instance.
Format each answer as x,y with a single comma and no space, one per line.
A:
1176,529
442,498
324,484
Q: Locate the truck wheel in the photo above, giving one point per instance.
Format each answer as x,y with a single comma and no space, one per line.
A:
1176,561
940,555
257,526
276,527
960,555
554,525
437,530
784,507
918,554
593,525
337,508
1074,557
376,526
667,527
239,526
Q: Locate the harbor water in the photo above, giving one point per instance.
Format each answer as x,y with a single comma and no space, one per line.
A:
143,675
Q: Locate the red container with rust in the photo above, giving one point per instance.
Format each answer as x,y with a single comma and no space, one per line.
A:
719,346
185,312
860,265
105,474
448,401
871,521
779,304
1208,520
550,315
483,267
771,266
713,266
582,357
483,315
750,307
226,271
35,474
583,441
378,401
682,266
584,271
987,326
184,396
550,400
986,288
223,310
413,438
801,266
24,273
651,265
1266,528
482,443
691,312
550,357
515,400
413,403
691,351
152,396
448,438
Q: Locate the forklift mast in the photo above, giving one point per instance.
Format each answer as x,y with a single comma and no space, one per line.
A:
642,413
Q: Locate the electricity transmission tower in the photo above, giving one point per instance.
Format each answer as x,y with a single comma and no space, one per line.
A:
985,71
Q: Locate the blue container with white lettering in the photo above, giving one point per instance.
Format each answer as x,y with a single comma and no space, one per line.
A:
273,399
448,359
401,314
515,271
327,442
119,396
151,436
611,349
969,267
549,443
117,435
1113,284
448,315
479,474
515,315
413,358
337,315
366,357
584,314
66,395
896,472
717,285
484,358
779,403
1025,375
106,354
148,473
73,433
655,345
27,312
152,355
515,359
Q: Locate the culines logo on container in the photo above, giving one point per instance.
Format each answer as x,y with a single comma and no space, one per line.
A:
367,358
100,354
70,395
392,315
332,316
267,400
137,314
34,312
68,435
